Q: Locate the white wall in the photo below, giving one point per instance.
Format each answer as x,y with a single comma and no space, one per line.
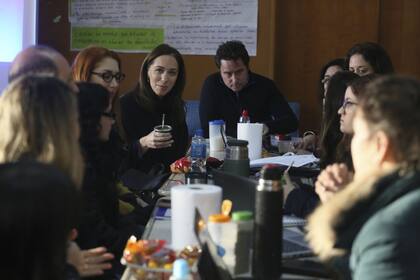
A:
17,31
4,68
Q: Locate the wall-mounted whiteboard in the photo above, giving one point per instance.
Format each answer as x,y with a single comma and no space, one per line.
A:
191,26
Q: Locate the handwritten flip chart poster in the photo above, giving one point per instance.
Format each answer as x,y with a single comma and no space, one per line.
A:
191,26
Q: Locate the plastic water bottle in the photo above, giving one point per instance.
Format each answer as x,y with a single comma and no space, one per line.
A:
244,117
198,151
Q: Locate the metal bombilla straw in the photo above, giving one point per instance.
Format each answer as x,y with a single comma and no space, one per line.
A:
224,137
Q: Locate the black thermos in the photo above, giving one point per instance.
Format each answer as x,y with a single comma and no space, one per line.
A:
268,225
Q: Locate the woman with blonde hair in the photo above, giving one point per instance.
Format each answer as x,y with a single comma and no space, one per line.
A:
39,121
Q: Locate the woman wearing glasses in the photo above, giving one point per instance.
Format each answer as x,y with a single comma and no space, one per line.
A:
331,135
157,98
102,224
370,229
100,66
340,170
310,139
327,72
332,147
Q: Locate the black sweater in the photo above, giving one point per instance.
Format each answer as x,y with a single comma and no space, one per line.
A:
138,122
260,97
101,223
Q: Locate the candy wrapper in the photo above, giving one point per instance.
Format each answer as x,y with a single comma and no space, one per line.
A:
181,165
150,258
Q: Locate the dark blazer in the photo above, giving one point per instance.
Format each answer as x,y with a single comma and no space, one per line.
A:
101,223
138,122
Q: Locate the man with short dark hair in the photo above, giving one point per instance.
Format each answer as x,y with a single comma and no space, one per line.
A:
235,88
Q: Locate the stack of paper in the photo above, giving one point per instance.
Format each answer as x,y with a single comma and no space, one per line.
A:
292,221
297,160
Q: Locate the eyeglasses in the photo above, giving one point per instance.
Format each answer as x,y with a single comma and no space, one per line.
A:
110,115
347,104
108,76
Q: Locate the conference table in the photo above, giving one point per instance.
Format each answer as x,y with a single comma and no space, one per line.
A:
159,227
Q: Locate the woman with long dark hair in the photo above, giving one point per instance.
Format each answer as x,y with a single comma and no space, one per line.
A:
369,230
340,170
102,224
330,130
39,208
157,96
368,58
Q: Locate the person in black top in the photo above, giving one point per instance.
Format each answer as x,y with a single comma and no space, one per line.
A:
235,88
158,95
102,66
39,208
331,150
369,229
58,143
101,224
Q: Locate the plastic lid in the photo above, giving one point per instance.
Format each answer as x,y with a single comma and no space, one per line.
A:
181,269
217,122
245,113
271,172
281,136
242,216
199,132
237,142
219,218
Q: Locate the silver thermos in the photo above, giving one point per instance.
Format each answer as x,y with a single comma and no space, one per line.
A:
236,157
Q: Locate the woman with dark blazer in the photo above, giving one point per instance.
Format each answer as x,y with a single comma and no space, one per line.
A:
157,96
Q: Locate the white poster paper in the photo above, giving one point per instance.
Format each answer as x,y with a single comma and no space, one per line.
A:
192,26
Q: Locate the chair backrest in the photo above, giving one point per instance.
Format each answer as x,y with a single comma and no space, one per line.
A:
295,106
192,116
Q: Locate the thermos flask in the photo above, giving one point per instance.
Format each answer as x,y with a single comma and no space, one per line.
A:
236,158
268,225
